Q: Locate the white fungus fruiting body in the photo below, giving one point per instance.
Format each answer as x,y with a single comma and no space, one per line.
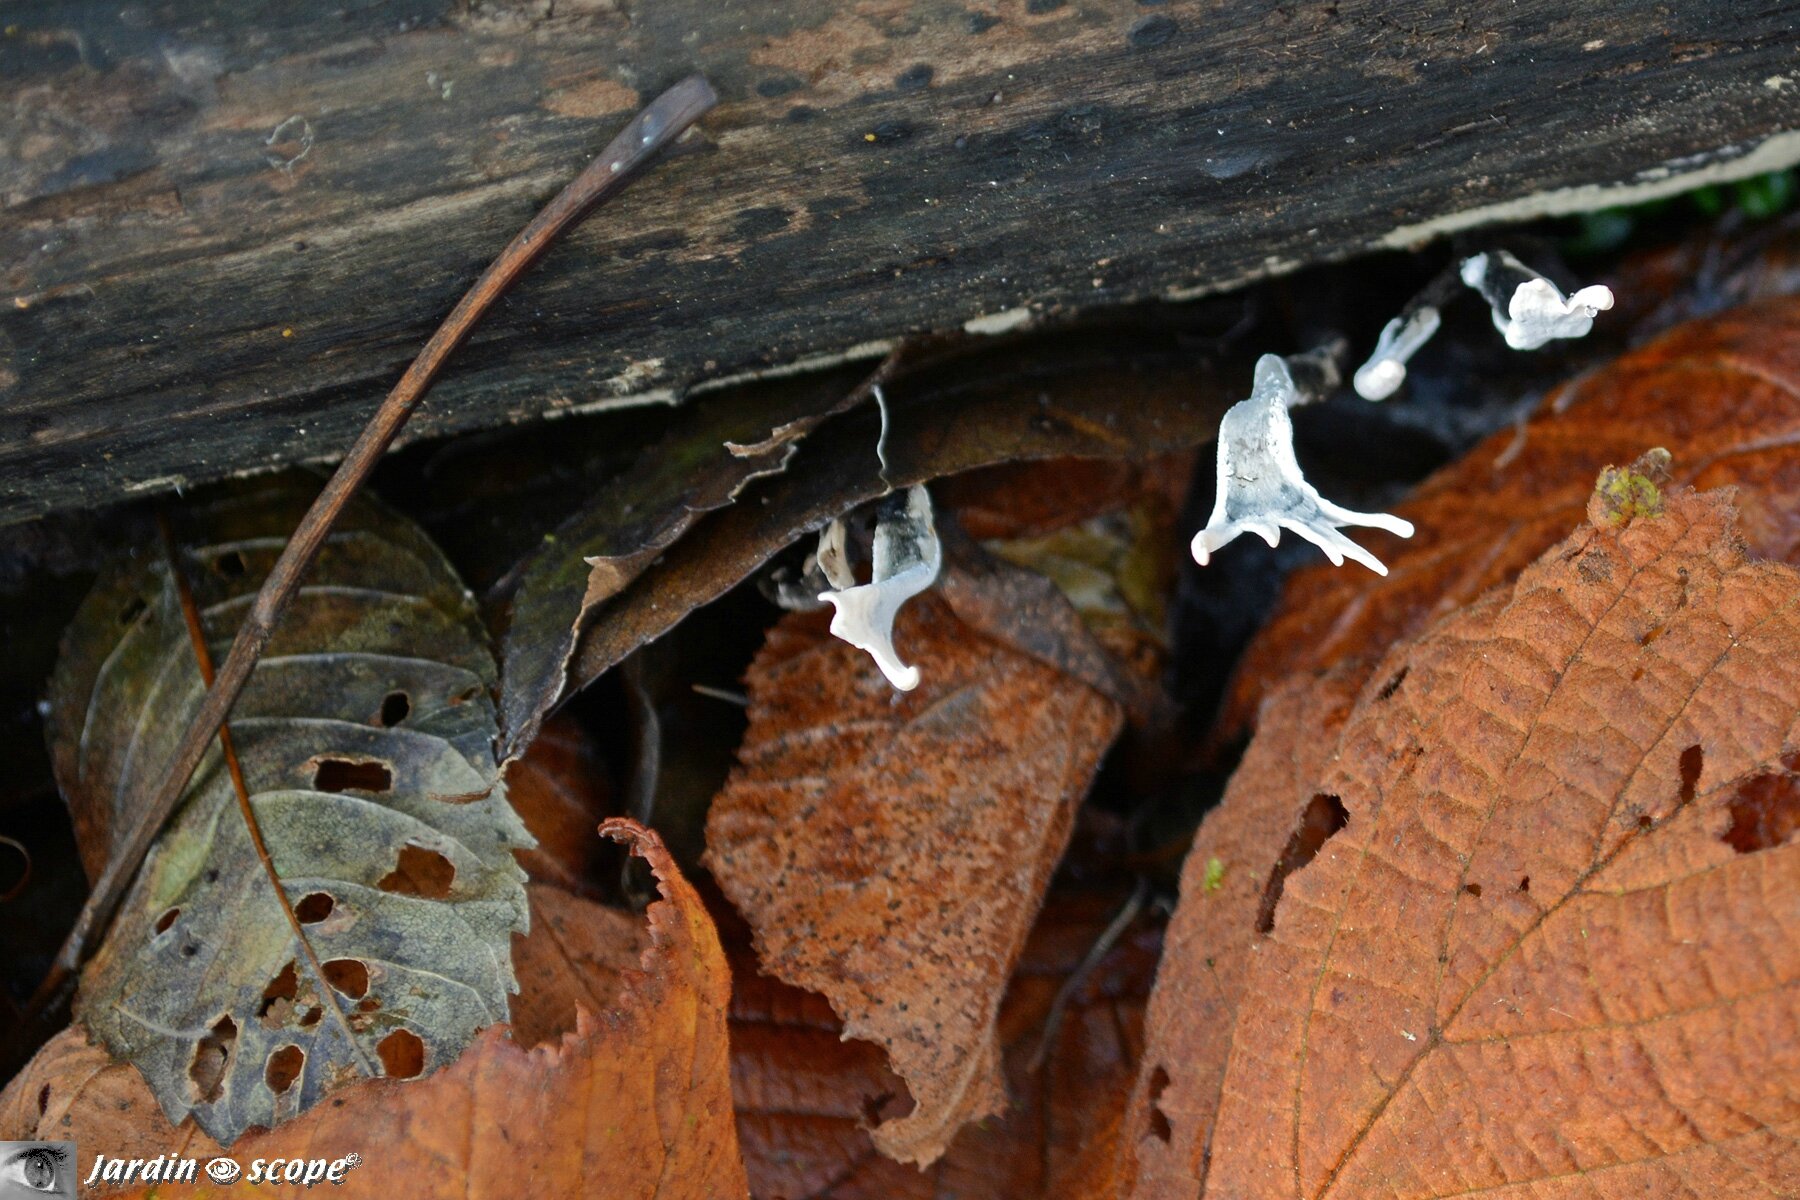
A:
1261,489
1536,313
1385,371
907,557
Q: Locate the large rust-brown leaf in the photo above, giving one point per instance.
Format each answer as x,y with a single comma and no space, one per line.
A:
890,851
626,1095
1269,823
806,1097
1553,947
1722,395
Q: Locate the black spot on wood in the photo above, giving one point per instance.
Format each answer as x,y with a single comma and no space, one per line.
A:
1152,31
915,78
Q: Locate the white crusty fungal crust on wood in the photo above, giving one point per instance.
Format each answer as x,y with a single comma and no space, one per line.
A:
1261,489
907,557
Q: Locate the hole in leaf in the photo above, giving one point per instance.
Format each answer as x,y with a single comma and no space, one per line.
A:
283,1068
212,874
348,975
1524,883
1765,813
43,1100
348,775
278,998
368,1004
230,565
314,907
1474,889
132,611
1159,1121
1645,821
167,919
212,1056
394,709
1393,685
191,949
467,694
1692,759
1324,816
311,1017
419,872
402,1054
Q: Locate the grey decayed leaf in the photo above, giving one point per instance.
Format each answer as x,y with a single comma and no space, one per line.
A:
366,738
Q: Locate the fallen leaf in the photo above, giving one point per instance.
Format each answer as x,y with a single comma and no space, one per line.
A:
561,790
697,467
1553,946
365,738
1718,394
627,1098
890,852
1229,886
806,1097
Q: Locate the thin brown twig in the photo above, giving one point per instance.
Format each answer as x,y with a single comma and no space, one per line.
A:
652,129
1103,946
190,612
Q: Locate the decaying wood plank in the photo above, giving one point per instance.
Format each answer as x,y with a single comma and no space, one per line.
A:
226,228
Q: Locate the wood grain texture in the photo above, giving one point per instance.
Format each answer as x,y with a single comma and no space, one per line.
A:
227,227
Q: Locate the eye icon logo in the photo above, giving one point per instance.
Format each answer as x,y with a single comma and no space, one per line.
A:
223,1170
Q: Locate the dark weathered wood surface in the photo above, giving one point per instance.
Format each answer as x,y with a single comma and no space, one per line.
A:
227,226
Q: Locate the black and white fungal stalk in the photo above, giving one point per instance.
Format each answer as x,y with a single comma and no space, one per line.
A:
1385,371
907,557
1529,310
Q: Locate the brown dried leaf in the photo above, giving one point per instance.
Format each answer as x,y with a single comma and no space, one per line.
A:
560,789
1555,949
699,466
1720,395
806,1097
1227,882
635,1102
891,851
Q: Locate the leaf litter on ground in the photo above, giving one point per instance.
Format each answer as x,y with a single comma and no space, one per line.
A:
365,738
1549,941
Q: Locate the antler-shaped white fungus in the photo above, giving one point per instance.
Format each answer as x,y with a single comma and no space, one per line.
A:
1261,489
907,557
1535,312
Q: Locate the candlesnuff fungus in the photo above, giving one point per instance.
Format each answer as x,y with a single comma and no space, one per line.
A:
1385,371
1529,310
907,557
1261,489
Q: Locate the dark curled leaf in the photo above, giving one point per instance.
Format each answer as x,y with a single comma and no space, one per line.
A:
720,444
1099,395
365,736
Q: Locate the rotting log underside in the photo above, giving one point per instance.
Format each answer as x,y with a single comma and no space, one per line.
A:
227,227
